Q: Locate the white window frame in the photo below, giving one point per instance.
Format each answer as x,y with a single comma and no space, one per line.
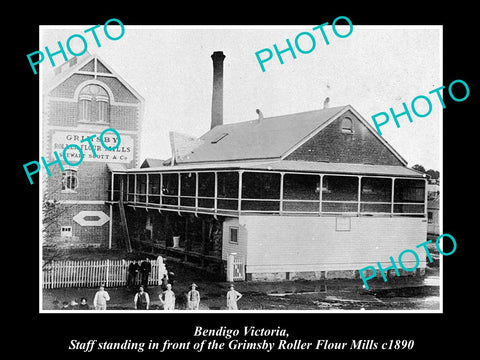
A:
230,240
66,231
347,129
64,174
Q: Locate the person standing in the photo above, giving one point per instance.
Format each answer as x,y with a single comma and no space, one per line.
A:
193,298
171,277
141,299
232,297
145,269
133,270
164,282
101,298
168,300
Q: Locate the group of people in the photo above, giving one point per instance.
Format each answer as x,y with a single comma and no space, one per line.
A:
139,270
141,299
73,305
167,298
99,301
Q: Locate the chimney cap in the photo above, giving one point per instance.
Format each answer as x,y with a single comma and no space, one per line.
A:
326,103
218,55
260,114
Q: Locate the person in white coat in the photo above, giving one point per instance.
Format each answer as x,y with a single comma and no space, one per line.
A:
100,299
232,297
168,300
193,298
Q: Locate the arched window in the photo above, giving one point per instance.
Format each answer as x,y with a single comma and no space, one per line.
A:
347,126
69,180
94,104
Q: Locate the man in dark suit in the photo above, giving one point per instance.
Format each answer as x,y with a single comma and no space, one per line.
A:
141,300
133,270
145,269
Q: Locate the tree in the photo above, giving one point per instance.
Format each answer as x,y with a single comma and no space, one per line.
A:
52,210
418,168
434,174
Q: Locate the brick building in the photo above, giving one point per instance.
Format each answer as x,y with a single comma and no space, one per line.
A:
84,98
316,194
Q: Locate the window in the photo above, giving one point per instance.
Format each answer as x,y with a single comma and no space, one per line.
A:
84,107
102,109
262,190
376,195
170,189
430,217
154,188
206,190
339,194
141,189
188,183
256,185
66,231
347,126
301,193
93,104
409,196
234,235
227,190
69,180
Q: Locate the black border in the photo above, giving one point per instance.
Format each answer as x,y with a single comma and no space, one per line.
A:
434,334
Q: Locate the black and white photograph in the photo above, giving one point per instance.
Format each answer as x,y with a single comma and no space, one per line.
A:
253,185
253,164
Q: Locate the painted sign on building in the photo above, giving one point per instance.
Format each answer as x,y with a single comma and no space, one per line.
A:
123,153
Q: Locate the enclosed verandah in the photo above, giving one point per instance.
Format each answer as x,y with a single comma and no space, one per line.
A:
278,188
190,203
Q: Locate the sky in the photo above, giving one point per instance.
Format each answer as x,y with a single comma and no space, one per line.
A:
374,69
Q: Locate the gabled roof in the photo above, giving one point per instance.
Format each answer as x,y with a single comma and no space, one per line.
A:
116,167
149,162
268,138
81,66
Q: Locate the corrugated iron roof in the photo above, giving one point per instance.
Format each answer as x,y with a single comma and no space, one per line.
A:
292,166
267,138
116,167
150,162
340,168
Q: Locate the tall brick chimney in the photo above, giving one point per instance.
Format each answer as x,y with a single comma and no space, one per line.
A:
217,94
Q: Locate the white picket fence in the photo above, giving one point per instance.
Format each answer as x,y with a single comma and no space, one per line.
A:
90,273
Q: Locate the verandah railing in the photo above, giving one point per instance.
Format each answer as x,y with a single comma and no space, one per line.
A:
291,193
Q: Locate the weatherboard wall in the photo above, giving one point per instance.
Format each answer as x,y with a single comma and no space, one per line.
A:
296,244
